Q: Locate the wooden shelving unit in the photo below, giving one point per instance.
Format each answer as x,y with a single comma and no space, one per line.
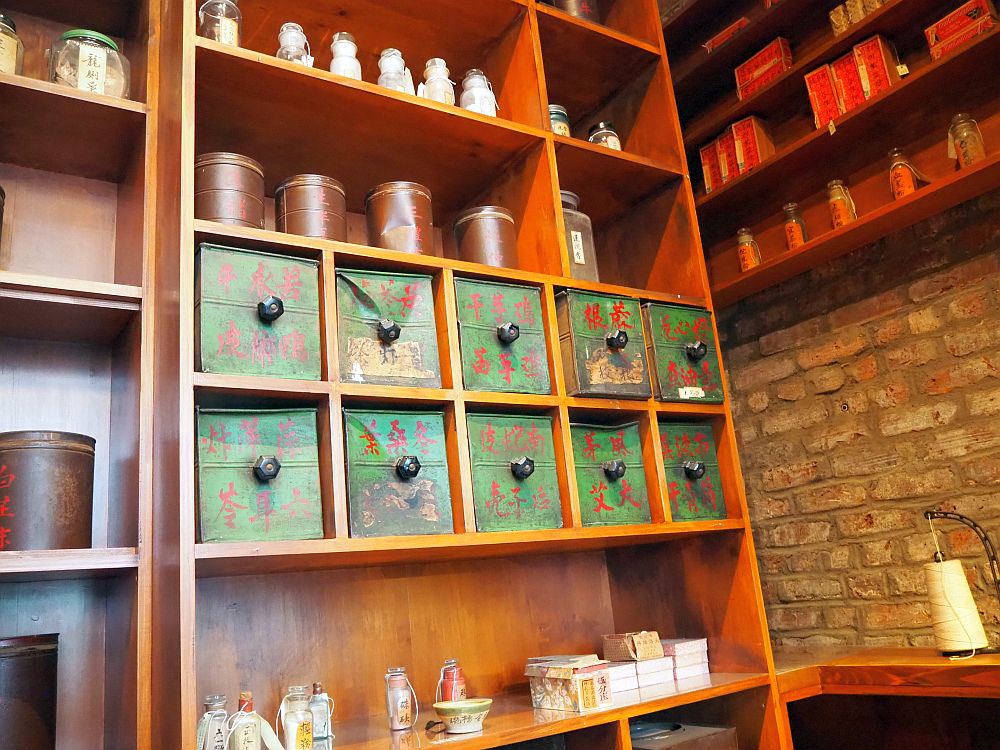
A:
912,115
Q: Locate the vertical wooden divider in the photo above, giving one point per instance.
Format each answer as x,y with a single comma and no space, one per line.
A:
623,739
659,496
336,521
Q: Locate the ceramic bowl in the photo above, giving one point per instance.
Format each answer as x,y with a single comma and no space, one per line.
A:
463,716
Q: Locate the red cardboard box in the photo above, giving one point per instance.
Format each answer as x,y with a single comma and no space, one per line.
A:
847,80
710,166
763,68
963,37
958,21
877,61
826,105
728,163
726,34
753,143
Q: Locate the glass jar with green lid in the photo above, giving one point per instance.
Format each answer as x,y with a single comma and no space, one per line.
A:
89,61
559,120
11,48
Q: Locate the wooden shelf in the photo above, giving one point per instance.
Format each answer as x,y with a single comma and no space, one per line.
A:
114,17
40,565
250,385
549,16
696,13
58,129
926,202
252,558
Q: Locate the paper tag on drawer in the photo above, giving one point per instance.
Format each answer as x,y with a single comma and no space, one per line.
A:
578,256
691,391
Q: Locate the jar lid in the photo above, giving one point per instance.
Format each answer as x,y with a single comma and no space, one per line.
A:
961,117
555,109
7,21
228,157
436,62
604,125
311,180
23,439
216,700
474,72
745,230
343,36
94,36
483,212
391,52
834,183
399,186
569,199
790,206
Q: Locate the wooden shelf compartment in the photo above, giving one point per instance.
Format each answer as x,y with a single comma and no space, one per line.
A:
624,22
118,18
684,22
491,35
40,565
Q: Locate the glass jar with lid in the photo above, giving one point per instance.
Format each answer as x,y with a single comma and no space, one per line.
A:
345,56
221,21
294,46
579,238
296,718
559,120
904,177
89,61
842,210
437,85
477,94
394,74
748,249
603,134
795,226
965,141
11,47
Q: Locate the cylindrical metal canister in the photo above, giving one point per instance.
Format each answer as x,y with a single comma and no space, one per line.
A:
28,691
229,189
311,205
46,490
586,9
399,217
486,234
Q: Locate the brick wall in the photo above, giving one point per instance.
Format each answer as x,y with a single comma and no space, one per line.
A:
865,392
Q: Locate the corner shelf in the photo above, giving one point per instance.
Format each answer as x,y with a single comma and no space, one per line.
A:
40,565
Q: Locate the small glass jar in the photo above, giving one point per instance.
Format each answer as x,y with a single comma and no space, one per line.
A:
842,210
477,94
795,227
579,238
437,85
345,56
296,718
394,73
603,134
748,249
89,61
11,47
221,21
559,120
294,46
904,178
965,141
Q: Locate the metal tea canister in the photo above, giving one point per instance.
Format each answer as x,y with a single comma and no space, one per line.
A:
559,120
965,141
221,21
311,205
579,238
585,9
842,209
604,134
229,189
296,719
345,56
748,249
212,727
400,699
28,681
293,45
795,226
487,235
451,685
904,177
399,217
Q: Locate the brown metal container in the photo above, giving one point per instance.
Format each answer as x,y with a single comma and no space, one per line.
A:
47,488
400,218
313,206
486,234
28,667
586,9
229,189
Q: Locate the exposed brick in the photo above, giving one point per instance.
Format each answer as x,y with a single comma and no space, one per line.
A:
818,640
925,417
770,452
747,432
904,484
793,417
921,641
874,522
901,615
966,373
786,476
980,507
809,589
986,335
864,461
838,618
897,640
758,401
866,586
878,553
800,532
789,338
890,394
852,403
738,356
907,582
969,305
845,344
805,562
983,403
919,548
837,558
795,618
914,353
964,542
982,470
961,441
763,372
772,564
825,499
867,309
862,369
764,508
888,332
827,379
955,277
836,433
791,390
924,321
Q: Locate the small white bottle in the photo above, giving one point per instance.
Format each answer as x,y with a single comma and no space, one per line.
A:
296,719
437,85
477,94
212,727
294,45
244,729
394,73
322,713
345,56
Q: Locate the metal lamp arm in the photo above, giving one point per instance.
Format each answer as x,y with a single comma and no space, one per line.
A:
991,553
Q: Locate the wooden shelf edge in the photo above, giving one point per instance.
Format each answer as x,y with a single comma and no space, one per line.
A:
606,153
129,296
597,28
931,199
45,88
67,563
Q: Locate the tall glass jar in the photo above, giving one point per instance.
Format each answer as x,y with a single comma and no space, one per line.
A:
904,177
244,725
11,47
795,226
748,249
559,120
477,94
965,141
294,46
842,210
212,727
437,85
89,61
604,134
579,238
221,21
345,56
394,74
296,719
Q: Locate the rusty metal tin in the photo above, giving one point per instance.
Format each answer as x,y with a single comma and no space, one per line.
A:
311,205
400,217
47,489
28,669
487,235
229,189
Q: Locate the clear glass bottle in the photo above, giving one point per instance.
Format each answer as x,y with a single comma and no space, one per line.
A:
748,250
394,73
89,61
321,707
579,238
559,120
11,47
221,21
296,719
400,699
603,134
477,94
795,226
294,46
244,725
842,210
437,85
965,141
345,56
904,177
212,727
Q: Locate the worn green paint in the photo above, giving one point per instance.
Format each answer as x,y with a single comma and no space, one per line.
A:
235,506
605,501
487,363
677,378
503,502
593,368
381,503
366,297
232,338
692,499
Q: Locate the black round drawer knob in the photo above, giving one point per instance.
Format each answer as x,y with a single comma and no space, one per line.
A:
407,467
388,331
508,333
522,467
614,469
694,469
266,468
270,308
696,350
617,339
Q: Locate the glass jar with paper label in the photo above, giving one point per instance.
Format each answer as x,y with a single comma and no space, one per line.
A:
604,134
296,719
842,210
477,94
11,48
748,250
89,61
294,46
795,226
965,141
904,177
345,56
579,238
437,85
559,120
221,21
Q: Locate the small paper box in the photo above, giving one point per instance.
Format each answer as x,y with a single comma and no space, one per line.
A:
728,163
763,68
625,685
855,10
826,105
839,21
622,670
638,646
663,677
873,5
752,142
710,167
664,663
569,683
690,660
847,79
963,37
877,61
726,34
685,673
680,646
958,21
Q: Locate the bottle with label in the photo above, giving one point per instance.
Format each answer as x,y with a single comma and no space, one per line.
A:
296,719
437,85
965,141
748,250
603,134
89,61
244,725
294,46
321,707
842,210
221,21
394,74
451,685
345,56
212,727
795,227
400,699
477,94
11,47
904,177
559,120
579,238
